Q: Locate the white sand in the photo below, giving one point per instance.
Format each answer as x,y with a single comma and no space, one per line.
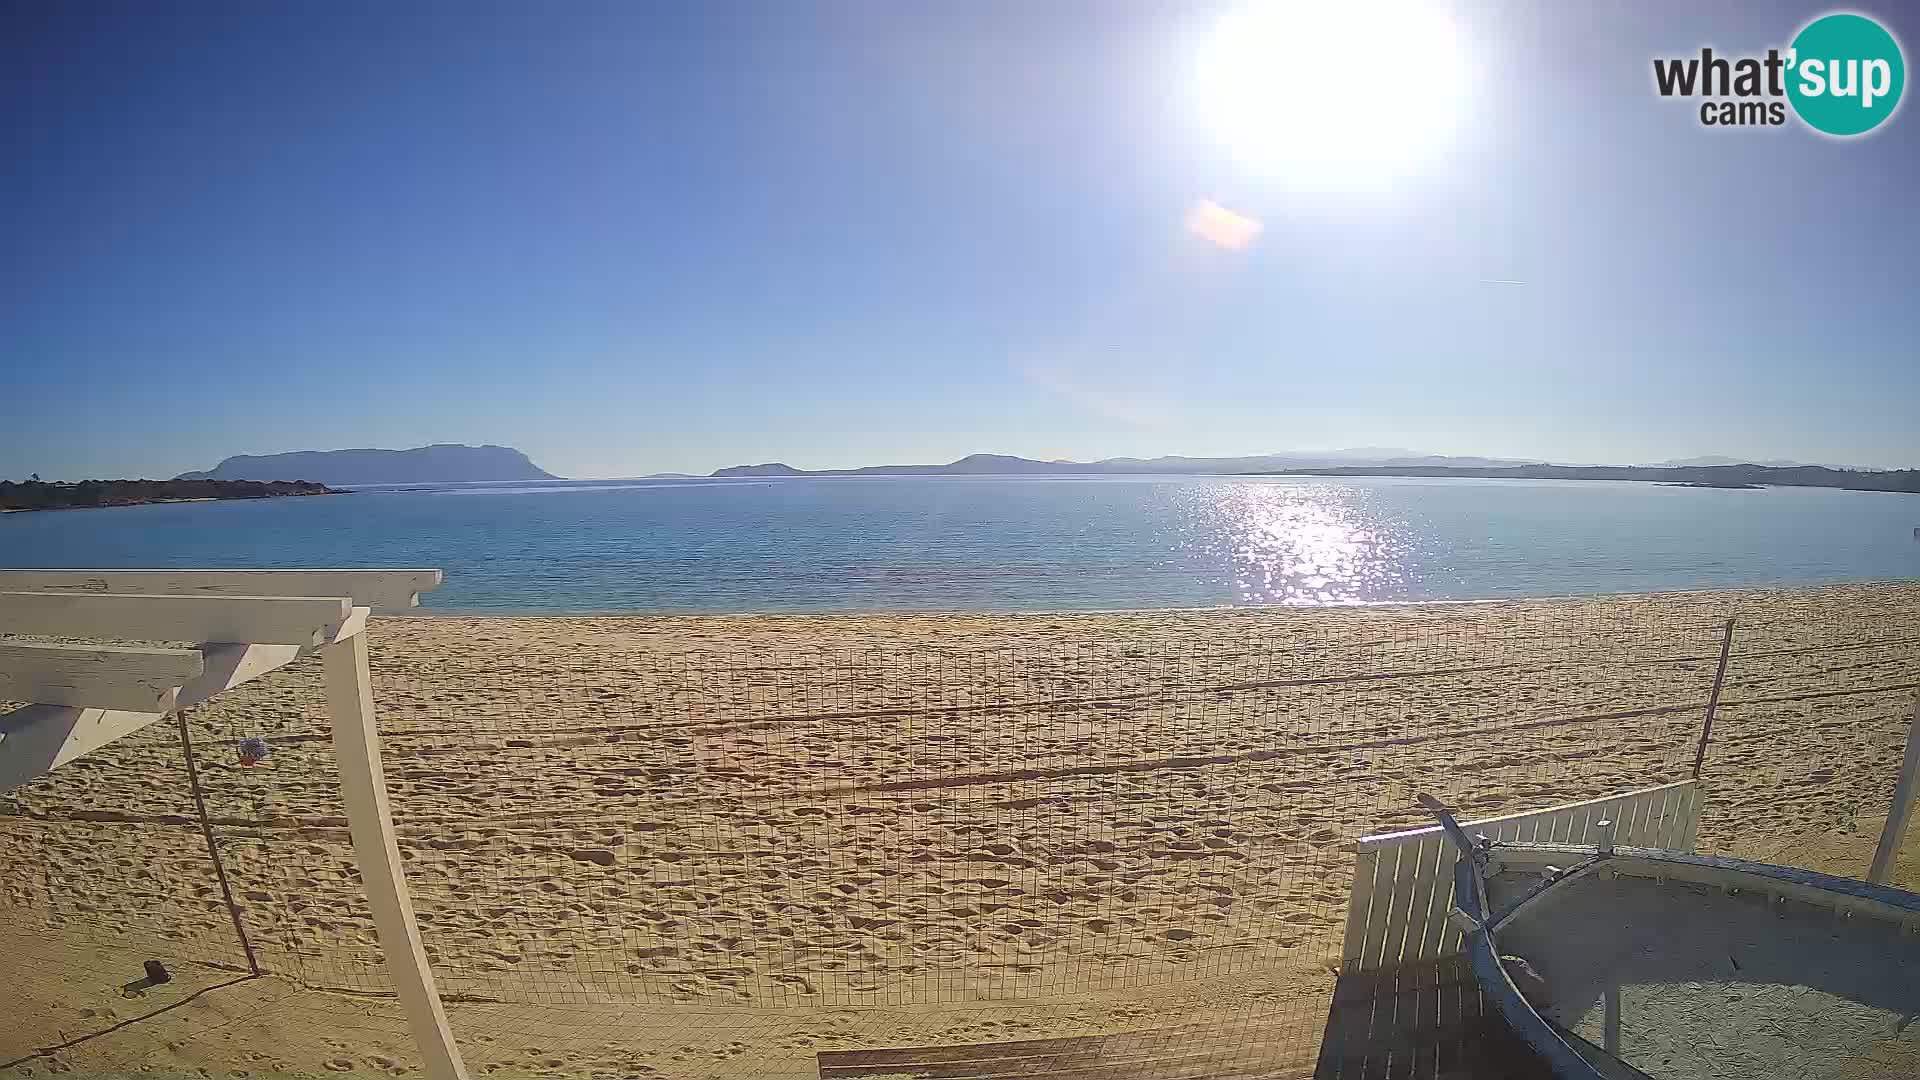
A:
695,846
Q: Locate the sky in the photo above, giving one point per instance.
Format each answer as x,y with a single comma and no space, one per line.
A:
630,238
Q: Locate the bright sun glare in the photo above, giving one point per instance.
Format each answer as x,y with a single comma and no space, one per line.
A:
1333,94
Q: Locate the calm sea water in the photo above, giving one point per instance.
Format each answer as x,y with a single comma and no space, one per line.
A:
1013,544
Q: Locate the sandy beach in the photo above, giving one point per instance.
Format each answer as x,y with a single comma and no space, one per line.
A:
716,846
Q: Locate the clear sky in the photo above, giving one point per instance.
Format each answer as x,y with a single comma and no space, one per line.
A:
639,237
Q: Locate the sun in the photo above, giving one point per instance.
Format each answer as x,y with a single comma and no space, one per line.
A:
1339,94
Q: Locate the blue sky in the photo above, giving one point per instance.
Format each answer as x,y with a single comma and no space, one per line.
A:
643,237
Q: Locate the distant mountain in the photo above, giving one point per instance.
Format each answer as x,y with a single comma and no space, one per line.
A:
1402,463
669,476
1715,476
772,468
442,463
1712,460
1008,465
1696,462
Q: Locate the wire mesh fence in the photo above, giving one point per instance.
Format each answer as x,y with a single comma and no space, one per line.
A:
630,850
153,888
106,864
902,828
1808,736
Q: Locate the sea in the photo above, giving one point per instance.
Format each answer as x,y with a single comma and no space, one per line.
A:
957,543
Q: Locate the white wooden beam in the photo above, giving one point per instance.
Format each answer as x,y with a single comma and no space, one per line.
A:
267,620
381,589
36,739
1900,811
96,676
356,747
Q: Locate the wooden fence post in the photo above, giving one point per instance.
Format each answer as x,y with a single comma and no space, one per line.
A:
356,745
1900,812
213,849
1713,699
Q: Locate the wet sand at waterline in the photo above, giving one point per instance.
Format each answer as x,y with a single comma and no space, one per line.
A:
717,845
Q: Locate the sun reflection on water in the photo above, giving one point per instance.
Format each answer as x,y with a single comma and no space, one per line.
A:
1300,544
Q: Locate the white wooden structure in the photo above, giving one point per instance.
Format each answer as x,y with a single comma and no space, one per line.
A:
1403,881
1900,811
241,624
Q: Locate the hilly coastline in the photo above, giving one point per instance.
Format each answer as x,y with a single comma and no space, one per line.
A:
1714,476
1356,463
1008,465
442,463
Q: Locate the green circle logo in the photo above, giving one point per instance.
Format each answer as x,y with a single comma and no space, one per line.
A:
1846,74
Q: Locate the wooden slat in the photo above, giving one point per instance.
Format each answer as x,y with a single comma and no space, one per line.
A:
1632,831
1583,830
383,589
1419,890
96,676
1359,903
1675,811
1565,822
1669,818
1690,824
1650,821
1546,825
267,620
1439,900
1386,886
1595,815
1675,837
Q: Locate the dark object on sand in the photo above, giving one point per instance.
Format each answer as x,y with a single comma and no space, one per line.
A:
252,751
156,974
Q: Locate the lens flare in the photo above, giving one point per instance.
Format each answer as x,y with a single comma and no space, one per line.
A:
1221,227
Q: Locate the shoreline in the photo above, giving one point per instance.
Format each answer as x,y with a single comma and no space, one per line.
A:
427,612
122,503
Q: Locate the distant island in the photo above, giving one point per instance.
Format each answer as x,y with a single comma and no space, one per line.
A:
1008,465
442,463
36,495
1361,463
1715,476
